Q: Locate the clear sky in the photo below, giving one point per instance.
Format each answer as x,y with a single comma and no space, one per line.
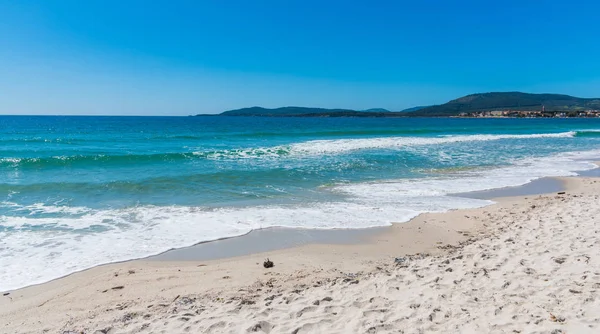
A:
186,57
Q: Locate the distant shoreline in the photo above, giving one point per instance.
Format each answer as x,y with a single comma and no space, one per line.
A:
386,115
497,104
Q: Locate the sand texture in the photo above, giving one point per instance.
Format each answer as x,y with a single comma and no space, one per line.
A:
524,265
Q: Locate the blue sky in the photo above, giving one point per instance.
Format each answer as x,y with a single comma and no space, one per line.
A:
186,57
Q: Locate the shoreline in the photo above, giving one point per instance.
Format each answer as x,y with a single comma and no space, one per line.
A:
286,237
290,238
90,296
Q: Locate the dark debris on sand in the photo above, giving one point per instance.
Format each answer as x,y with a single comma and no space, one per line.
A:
268,264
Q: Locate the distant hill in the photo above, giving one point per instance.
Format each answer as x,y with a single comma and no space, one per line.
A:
414,108
284,111
306,112
508,101
376,110
515,101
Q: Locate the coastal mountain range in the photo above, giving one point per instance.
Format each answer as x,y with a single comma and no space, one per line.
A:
467,104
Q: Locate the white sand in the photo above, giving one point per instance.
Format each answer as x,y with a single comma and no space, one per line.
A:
525,265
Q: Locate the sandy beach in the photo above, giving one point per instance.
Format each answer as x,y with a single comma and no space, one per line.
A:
294,167
528,264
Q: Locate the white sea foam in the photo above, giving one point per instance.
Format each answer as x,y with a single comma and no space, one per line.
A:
10,160
338,146
344,145
519,173
72,243
35,250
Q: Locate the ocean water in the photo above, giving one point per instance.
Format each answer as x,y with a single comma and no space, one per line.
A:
76,192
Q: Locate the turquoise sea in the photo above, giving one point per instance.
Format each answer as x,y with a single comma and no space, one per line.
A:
76,192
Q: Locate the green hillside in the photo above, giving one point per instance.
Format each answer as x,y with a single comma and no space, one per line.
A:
509,101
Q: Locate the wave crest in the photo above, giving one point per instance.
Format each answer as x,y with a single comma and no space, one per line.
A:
308,148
